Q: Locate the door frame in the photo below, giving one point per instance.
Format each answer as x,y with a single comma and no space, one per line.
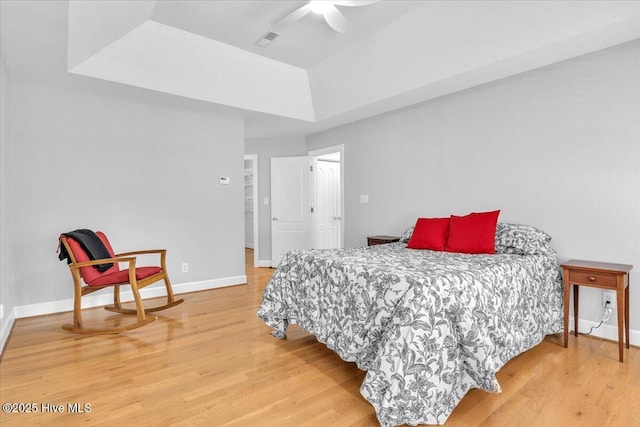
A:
256,206
313,155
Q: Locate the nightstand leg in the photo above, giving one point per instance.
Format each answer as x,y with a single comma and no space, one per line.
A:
626,312
576,299
621,315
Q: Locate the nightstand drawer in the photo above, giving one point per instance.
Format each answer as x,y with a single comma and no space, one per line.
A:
597,279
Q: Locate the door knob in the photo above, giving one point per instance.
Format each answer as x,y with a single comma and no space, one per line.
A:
337,218
274,218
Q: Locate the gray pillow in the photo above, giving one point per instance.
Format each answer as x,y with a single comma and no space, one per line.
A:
520,239
407,234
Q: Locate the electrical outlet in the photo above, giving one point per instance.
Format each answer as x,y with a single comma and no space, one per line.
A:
185,267
610,297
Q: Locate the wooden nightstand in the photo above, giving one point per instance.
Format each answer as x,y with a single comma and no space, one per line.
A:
381,240
599,275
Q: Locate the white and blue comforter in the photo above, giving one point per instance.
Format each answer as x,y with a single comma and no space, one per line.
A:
426,326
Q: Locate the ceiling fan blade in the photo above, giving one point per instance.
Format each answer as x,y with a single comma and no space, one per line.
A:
336,20
293,16
354,2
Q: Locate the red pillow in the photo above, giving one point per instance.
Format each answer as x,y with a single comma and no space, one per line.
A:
430,233
474,233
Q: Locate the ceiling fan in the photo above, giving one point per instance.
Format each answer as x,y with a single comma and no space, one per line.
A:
326,8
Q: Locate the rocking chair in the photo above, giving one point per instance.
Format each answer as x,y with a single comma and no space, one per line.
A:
105,272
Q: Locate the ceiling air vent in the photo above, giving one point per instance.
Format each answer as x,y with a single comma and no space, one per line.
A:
265,40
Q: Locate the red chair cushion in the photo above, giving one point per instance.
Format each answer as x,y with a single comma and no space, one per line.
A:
121,277
91,273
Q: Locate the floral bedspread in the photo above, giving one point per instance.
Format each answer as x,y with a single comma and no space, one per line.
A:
426,326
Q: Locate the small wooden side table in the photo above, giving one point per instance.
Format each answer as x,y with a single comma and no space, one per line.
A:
603,275
381,240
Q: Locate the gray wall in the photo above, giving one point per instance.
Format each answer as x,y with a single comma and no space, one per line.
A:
266,148
145,173
557,147
7,293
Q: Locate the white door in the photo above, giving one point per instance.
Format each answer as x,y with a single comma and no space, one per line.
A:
327,211
290,207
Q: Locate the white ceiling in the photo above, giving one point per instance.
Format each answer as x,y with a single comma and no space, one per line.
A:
303,43
201,54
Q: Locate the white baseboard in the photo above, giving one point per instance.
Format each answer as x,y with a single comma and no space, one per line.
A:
264,263
606,331
7,324
107,298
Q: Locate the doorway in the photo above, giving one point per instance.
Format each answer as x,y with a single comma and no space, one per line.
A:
307,202
251,223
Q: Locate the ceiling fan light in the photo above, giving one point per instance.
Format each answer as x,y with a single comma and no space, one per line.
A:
320,6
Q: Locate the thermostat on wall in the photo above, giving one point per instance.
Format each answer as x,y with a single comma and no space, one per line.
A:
225,180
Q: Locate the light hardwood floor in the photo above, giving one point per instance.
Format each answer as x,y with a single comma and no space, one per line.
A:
212,362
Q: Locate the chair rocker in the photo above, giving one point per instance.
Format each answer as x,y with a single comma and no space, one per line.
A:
83,270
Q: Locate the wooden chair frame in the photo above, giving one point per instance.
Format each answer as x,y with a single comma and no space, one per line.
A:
136,285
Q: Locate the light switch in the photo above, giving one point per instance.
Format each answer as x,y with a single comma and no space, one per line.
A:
364,198
266,200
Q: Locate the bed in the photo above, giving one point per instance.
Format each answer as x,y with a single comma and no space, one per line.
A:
426,326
